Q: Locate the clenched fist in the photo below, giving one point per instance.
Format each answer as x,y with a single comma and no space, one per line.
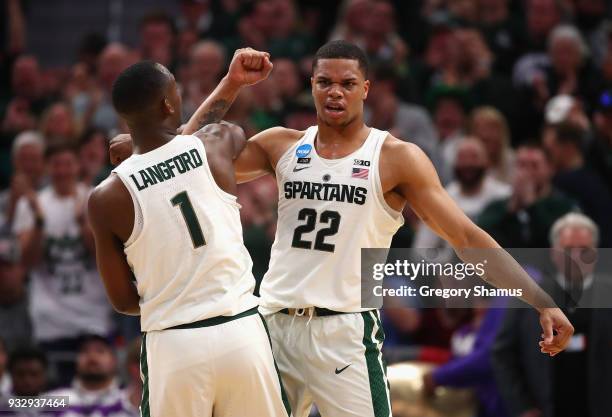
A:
249,67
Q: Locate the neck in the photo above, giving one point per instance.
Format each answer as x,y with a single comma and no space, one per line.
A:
147,138
338,141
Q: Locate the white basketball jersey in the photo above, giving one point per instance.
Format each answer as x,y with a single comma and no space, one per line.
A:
186,249
328,210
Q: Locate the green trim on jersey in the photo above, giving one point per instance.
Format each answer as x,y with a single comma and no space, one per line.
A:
145,409
373,337
283,393
214,321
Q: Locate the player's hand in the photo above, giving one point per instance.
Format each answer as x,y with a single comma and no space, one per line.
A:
553,319
120,148
249,67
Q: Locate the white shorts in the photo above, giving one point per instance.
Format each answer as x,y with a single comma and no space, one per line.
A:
333,361
223,370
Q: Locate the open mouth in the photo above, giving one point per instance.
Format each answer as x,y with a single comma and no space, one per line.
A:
334,109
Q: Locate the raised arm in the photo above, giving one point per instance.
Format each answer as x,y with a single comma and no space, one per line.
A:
109,209
248,67
420,186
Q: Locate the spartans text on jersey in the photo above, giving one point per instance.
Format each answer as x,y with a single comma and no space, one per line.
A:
343,193
163,171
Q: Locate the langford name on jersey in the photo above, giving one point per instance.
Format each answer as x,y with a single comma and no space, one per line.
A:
163,171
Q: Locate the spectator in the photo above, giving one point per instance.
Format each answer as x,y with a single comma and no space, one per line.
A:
565,145
28,174
15,324
542,17
502,33
132,393
93,157
472,189
58,124
353,22
489,126
95,389
470,366
381,41
157,39
406,121
570,71
28,368
27,85
57,244
524,219
271,26
449,106
206,68
576,382
286,76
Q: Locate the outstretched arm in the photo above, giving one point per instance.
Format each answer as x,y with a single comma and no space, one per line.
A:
107,203
421,187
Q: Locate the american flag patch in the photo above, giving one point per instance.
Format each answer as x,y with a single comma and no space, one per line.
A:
360,173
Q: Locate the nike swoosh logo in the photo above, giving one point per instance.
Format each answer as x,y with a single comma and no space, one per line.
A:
340,370
296,169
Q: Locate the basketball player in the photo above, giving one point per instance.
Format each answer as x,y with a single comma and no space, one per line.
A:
342,187
169,215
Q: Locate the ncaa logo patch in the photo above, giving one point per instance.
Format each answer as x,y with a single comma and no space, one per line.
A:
303,150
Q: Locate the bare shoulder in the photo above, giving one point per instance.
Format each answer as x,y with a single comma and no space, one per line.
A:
109,197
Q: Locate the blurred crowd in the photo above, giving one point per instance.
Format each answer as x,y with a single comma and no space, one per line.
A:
511,100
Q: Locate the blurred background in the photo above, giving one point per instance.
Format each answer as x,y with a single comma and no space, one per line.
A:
511,100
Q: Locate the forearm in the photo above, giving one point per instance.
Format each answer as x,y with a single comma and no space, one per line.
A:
214,108
501,270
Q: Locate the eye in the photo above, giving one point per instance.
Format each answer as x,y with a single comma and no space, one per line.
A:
323,83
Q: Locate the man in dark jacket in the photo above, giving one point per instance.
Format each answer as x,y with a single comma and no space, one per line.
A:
576,383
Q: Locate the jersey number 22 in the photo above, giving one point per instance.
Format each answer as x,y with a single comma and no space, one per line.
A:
310,215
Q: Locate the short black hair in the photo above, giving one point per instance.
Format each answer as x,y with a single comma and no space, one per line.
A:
342,50
138,86
570,133
28,353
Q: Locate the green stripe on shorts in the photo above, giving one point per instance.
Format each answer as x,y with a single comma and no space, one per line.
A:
145,410
283,393
373,336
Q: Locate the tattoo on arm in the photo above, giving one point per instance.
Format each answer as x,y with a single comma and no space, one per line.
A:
214,115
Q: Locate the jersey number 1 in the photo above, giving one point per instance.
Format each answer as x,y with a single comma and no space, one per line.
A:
193,225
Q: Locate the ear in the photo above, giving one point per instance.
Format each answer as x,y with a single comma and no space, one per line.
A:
312,83
366,88
167,107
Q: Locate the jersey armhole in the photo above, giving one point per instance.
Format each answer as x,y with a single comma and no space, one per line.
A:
138,214
393,214
285,158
